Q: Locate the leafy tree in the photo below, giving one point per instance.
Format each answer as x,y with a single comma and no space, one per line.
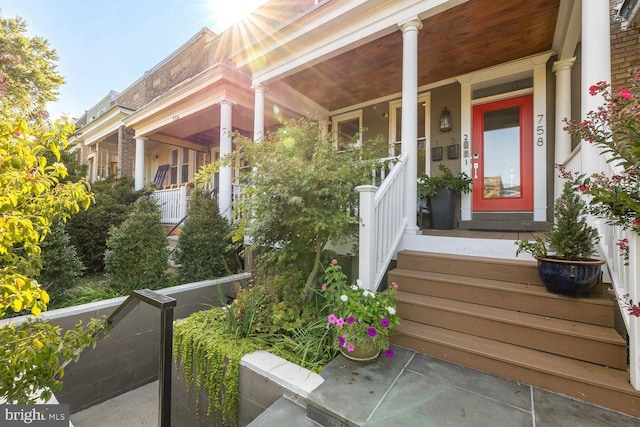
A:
301,192
61,266
89,230
28,70
137,256
203,246
32,198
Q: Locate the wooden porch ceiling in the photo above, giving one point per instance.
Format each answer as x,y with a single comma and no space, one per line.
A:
469,37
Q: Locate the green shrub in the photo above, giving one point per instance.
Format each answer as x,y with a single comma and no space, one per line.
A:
61,266
203,246
89,292
137,256
89,230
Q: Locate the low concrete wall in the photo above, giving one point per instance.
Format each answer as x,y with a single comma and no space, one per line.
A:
129,356
264,378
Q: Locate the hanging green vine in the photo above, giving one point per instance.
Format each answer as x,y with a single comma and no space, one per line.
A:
210,357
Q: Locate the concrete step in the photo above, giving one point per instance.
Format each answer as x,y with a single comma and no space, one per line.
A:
283,413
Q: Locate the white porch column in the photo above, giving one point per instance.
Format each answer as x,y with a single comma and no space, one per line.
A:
562,69
596,66
258,113
225,190
540,138
139,165
410,117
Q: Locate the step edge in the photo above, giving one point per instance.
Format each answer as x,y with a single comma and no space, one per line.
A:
622,384
501,285
559,326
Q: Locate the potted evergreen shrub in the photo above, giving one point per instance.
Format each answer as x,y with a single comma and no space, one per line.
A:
443,190
569,270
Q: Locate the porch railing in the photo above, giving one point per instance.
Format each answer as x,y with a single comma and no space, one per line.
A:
382,222
172,203
625,276
166,305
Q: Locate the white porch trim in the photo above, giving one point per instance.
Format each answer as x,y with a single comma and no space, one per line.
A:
225,190
410,117
139,172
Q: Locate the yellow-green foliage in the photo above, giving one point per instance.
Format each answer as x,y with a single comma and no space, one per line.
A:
210,357
31,198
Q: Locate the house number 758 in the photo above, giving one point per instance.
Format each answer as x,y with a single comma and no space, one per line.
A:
540,131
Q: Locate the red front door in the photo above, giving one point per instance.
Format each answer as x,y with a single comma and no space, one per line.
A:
502,161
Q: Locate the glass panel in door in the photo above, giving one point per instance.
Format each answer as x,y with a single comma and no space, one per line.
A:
502,169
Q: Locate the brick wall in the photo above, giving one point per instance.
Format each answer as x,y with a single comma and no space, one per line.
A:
200,54
625,49
126,152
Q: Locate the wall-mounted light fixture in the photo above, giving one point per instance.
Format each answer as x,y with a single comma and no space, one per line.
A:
445,120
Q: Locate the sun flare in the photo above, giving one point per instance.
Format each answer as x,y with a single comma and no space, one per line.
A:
225,13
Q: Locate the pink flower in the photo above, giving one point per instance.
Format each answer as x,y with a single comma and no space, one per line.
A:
384,322
332,318
624,93
340,322
372,332
324,287
583,188
389,353
593,90
394,285
342,341
351,347
350,320
334,261
634,310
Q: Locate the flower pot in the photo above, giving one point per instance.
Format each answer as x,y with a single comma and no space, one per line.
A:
361,353
571,278
443,208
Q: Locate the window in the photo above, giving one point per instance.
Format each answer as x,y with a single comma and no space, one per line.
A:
184,175
395,129
347,128
173,172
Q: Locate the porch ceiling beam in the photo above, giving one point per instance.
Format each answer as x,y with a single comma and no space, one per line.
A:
288,97
179,142
568,28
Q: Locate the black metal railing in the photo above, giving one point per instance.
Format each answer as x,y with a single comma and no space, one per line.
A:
165,304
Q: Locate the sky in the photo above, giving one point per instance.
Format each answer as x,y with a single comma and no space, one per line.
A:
105,45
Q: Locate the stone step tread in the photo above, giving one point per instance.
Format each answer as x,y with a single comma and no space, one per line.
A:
283,413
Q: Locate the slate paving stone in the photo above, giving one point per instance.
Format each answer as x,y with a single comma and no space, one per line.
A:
416,400
483,384
555,410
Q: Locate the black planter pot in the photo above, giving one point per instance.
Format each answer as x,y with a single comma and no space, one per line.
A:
443,206
571,278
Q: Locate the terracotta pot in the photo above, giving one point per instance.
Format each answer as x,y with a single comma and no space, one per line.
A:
571,278
361,353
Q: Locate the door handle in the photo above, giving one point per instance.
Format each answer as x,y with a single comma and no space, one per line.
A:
475,170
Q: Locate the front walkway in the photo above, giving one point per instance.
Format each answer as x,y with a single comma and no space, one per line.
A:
409,390
412,390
